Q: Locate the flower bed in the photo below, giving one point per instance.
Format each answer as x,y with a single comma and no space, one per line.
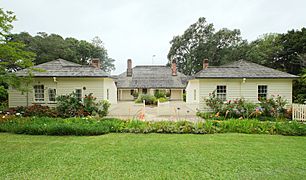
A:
98,126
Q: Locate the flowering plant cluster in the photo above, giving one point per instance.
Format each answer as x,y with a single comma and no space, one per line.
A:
240,108
67,106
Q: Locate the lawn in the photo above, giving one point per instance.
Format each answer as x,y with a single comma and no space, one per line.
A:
153,156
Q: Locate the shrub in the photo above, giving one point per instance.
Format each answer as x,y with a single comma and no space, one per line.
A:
97,126
160,94
103,108
239,108
149,99
3,94
214,103
273,106
69,105
40,111
3,105
162,99
90,106
135,94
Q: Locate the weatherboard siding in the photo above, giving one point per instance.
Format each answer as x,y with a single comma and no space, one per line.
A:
236,88
66,86
110,90
176,94
192,92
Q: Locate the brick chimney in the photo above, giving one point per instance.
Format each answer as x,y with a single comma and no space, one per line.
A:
205,63
129,70
173,68
96,63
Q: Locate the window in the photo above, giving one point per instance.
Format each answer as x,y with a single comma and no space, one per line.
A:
144,91
194,94
39,93
52,94
262,91
107,94
221,92
78,93
132,92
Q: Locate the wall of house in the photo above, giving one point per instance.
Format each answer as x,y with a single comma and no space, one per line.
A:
176,94
63,86
237,88
125,95
110,90
192,92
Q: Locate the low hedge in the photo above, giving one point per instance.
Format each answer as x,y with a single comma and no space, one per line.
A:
88,126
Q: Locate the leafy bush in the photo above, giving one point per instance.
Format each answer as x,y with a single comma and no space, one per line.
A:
135,94
97,126
214,103
90,105
149,99
103,108
273,107
3,105
70,106
163,99
160,94
3,94
40,111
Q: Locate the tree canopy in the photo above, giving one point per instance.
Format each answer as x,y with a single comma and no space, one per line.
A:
201,41
285,52
13,55
49,47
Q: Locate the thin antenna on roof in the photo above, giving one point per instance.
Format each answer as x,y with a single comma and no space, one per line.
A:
153,56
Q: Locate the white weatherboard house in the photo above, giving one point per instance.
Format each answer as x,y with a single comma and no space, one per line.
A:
61,77
240,79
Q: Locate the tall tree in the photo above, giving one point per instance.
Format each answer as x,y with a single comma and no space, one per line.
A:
101,53
13,55
200,41
293,57
53,46
265,50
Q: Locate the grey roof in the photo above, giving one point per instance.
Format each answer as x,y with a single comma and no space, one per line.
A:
243,69
152,77
63,68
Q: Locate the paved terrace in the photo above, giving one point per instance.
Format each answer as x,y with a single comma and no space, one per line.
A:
172,111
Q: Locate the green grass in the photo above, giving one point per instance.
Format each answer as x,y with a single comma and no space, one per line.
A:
153,156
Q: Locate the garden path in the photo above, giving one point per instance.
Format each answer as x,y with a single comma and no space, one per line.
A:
173,111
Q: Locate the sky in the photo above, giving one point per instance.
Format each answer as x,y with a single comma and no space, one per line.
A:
142,29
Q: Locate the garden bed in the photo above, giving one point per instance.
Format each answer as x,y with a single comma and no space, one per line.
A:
99,126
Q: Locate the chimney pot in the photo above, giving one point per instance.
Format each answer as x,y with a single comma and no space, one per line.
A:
173,68
205,64
129,70
96,63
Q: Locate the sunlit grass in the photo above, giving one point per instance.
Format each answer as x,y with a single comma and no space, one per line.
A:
152,156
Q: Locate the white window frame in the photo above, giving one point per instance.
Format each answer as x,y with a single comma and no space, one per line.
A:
267,91
55,91
75,91
35,92
223,94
